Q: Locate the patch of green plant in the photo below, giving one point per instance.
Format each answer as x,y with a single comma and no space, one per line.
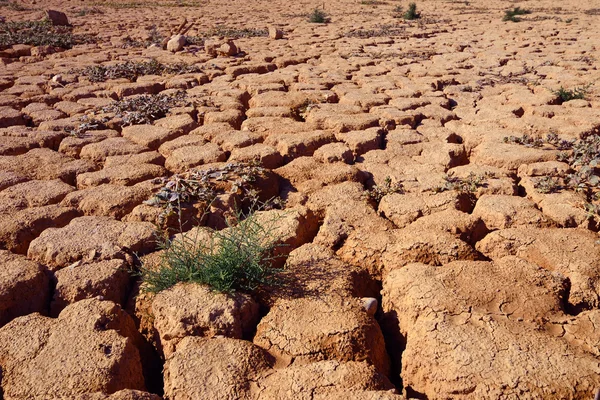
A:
468,185
583,174
571,94
377,192
525,140
548,184
238,258
512,15
131,70
146,108
36,33
318,16
411,13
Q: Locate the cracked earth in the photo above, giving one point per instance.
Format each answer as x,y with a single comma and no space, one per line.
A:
439,214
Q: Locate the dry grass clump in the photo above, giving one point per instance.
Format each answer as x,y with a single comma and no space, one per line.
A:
131,70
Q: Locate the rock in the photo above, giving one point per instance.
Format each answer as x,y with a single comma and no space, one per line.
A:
275,33
575,253
228,49
44,164
33,193
108,280
24,287
501,211
370,304
113,146
334,152
265,155
405,208
149,136
195,310
77,353
187,157
108,200
176,43
218,368
323,380
91,238
336,329
57,18
122,174
19,228
452,320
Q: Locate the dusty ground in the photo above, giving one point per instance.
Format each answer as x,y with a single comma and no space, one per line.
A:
486,285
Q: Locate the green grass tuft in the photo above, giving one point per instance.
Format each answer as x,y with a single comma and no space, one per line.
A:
238,258
571,94
318,17
511,15
411,13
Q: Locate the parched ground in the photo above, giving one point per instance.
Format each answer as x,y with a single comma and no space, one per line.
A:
436,250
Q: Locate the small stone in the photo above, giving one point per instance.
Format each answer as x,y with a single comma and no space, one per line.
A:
275,33
370,305
58,79
228,49
57,18
176,43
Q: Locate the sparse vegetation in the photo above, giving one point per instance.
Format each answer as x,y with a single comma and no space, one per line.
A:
377,192
89,11
378,31
571,94
318,17
239,257
411,13
131,70
525,140
182,191
373,2
468,185
146,108
583,174
512,15
36,33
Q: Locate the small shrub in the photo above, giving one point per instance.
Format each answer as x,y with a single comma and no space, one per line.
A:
525,140
468,185
239,257
411,13
184,191
318,17
571,94
583,175
377,192
511,15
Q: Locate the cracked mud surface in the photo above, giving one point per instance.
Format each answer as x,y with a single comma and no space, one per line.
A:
441,232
